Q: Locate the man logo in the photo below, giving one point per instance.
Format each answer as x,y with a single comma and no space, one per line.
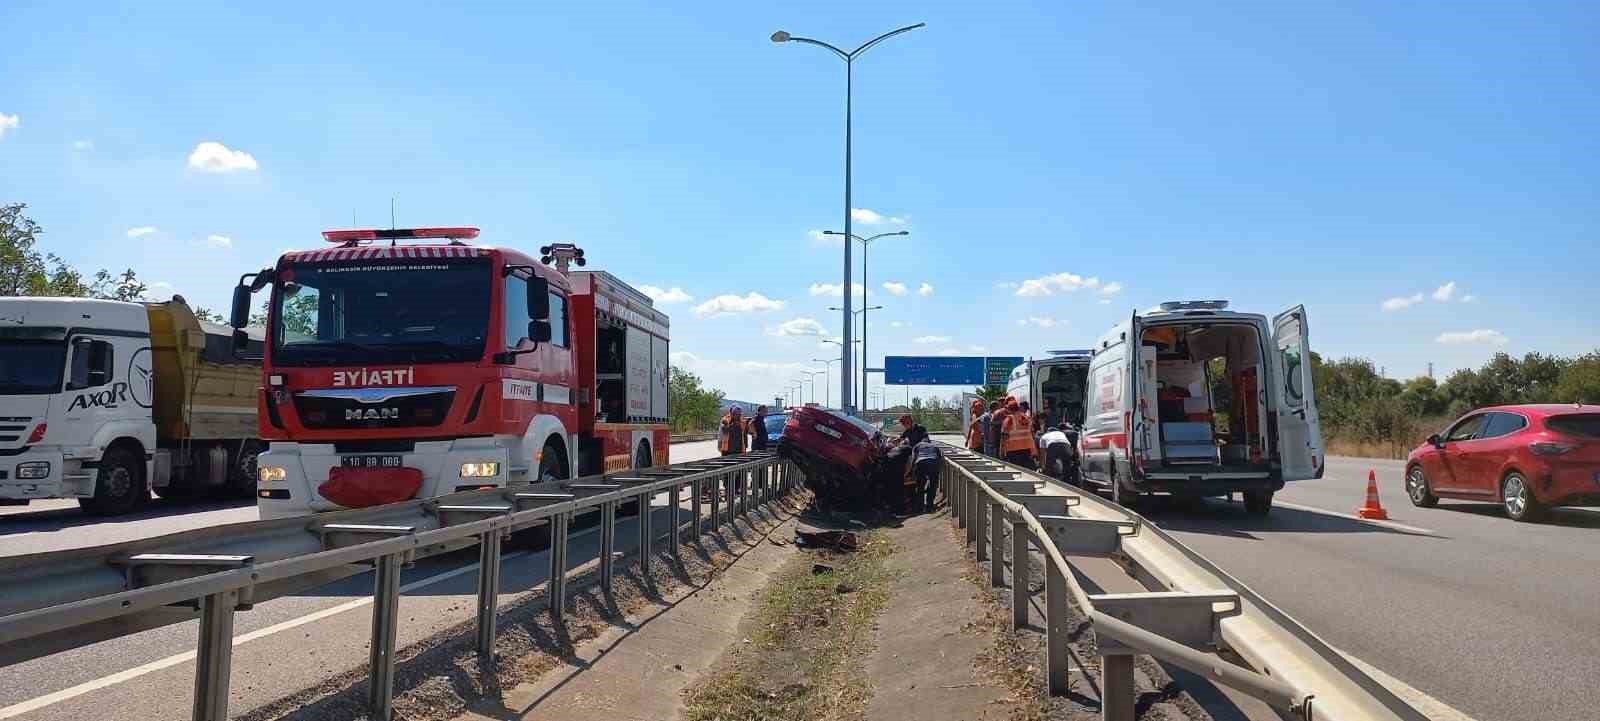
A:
372,414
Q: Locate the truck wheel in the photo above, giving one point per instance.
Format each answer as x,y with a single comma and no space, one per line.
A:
242,469
552,467
1258,503
119,486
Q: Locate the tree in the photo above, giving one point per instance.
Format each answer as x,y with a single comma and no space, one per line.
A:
1579,381
990,393
125,286
694,408
25,271
209,316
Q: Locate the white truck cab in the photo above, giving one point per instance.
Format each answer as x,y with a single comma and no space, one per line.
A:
91,409
75,380
1192,399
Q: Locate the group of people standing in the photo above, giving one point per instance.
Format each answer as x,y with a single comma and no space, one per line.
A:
732,432
1004,430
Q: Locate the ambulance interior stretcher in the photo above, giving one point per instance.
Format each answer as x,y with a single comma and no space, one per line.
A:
1202,395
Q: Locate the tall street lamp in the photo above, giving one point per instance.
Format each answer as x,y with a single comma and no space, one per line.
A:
866,360
827,382
845,368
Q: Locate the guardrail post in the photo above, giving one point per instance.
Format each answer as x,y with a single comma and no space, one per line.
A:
214,657
1057,653
385,620
958,497
608,544
675,517
1117,691
557,585
696,489
1021,575
974,510
979,516
488,594
646,536
997,541
716,499
731,507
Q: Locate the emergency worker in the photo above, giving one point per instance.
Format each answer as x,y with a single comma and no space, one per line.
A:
730,437
1016,442
974,429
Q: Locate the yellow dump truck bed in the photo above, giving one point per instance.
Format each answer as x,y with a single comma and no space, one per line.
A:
201,391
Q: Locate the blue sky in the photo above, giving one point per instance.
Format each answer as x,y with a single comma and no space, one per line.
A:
1337,155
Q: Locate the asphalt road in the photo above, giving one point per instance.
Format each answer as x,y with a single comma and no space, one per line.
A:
281,646
1495,618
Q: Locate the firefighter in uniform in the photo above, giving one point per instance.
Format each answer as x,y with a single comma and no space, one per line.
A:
1016,439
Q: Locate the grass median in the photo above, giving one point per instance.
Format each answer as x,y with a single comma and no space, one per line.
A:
807,641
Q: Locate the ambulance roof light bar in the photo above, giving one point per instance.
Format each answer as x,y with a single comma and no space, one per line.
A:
1173,305
355,236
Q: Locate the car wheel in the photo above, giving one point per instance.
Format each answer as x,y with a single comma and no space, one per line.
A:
1417,488
1517,498
1258,503
1121,495
119,485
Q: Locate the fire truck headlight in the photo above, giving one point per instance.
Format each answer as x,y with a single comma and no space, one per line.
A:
480,469
268,474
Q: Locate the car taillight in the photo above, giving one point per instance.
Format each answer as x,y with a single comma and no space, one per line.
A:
1551,448
37,434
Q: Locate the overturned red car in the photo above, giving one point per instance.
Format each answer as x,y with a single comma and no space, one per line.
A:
839,454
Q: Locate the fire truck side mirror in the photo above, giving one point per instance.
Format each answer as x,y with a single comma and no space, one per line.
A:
240,317
539,331
539,302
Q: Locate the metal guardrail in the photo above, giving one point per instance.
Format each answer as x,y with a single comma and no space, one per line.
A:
66,599
1196,610
692,437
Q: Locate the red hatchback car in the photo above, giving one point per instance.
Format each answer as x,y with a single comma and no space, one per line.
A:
1527,458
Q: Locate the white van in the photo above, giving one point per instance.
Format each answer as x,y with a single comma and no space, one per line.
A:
1197,400
1054,389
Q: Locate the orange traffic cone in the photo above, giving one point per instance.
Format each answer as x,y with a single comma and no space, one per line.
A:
1372,508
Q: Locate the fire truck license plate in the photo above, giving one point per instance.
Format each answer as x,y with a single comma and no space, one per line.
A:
371,461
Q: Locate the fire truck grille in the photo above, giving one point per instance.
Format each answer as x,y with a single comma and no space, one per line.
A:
374,408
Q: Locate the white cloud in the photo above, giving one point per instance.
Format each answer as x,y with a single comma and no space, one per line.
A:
729,304
1038,322
925,290
931,339
1051,284
217,241
213,157
83,145
1444,292
669,295
1111,288
1468,298
836,290
895,288
1401,301
160,289
141,231
899,324
1481,335
798,326
8,122
867,216
820,238
1005,285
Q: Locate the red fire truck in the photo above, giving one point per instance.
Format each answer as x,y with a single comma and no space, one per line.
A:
409,364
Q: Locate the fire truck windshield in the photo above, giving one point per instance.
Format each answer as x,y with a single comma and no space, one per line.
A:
414,311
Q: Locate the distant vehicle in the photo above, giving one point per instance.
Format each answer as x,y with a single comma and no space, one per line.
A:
104,401
1196,400
839,453
1528,458
376,390
775,423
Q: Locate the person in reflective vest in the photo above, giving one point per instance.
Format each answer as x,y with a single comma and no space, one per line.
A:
730,438
974,429
1016,441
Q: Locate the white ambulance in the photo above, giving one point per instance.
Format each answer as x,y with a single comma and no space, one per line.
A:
1192,399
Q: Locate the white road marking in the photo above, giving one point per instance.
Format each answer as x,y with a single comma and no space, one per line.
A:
56,697
1354,517
1428,706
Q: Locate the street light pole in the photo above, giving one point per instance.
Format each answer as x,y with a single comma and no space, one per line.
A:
845,368
827,382
865,244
